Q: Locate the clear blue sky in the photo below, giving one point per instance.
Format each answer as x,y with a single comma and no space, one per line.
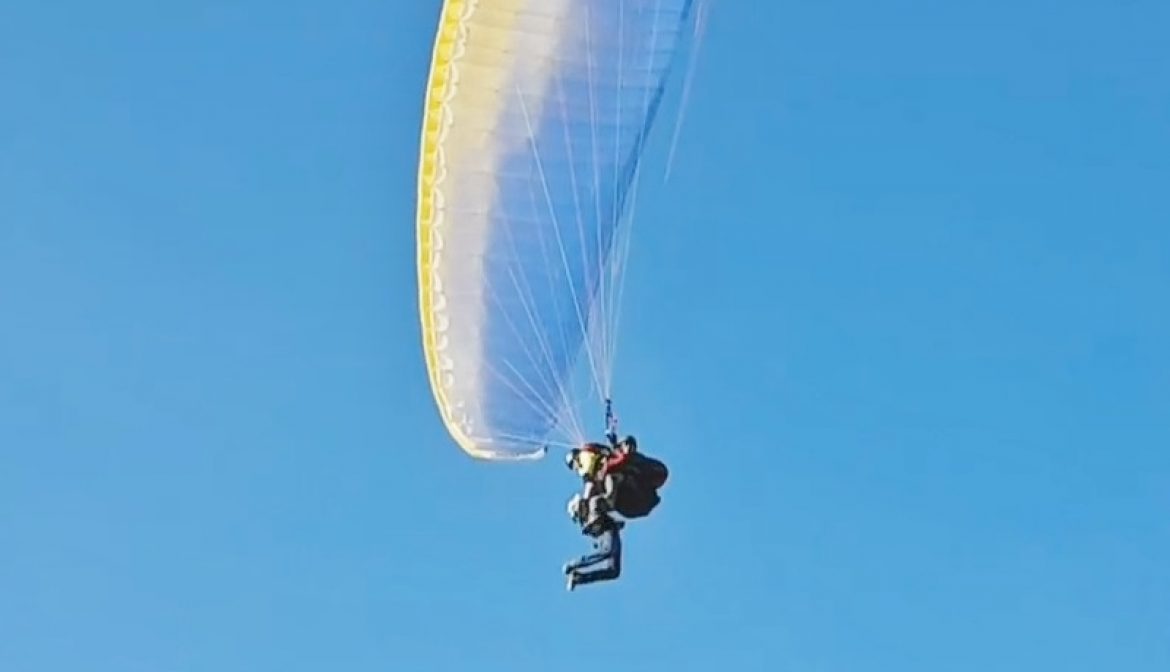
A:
899,323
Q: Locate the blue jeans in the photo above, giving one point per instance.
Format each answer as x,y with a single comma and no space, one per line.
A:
608,549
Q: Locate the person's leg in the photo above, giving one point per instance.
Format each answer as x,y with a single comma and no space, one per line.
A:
587,561
611,552
613,571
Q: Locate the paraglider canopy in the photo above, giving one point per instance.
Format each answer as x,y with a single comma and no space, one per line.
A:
536,117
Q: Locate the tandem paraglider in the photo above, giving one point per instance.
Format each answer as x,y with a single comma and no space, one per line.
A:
617,479
536,119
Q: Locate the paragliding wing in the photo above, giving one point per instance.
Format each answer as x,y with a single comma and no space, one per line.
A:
535,119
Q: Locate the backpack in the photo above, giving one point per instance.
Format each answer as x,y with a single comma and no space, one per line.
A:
641,477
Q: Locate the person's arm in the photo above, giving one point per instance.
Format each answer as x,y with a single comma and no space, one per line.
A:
604,487
616,461
587,491
608,487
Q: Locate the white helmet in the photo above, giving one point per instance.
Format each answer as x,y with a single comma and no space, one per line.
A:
571,458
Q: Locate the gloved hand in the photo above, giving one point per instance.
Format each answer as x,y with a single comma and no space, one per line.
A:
576,508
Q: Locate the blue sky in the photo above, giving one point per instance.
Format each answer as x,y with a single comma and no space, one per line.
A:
898,322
